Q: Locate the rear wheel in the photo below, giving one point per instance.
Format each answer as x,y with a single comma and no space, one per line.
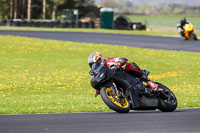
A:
110,98
167,101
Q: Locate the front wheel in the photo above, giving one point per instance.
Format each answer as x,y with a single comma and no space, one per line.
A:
110,98
167,101
194,36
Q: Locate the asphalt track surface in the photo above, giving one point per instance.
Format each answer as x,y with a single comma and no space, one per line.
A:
179,121
152,42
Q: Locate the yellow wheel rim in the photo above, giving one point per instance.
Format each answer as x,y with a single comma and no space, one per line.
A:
121,102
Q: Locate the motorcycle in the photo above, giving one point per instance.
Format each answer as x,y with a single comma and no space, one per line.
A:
122,99
189,32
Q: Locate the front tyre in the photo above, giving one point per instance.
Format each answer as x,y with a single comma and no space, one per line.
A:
194,36
167,101
110,98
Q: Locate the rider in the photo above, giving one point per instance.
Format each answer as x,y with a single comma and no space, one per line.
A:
116,62
180,25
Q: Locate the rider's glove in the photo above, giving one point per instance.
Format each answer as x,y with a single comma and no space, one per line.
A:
145,74
180,29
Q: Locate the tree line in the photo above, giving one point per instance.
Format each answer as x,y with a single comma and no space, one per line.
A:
42,9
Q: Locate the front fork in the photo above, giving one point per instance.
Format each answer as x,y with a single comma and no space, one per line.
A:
134,95
131,91
120,92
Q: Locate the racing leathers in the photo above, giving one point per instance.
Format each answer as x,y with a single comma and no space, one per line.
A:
180,25
116,63
132,68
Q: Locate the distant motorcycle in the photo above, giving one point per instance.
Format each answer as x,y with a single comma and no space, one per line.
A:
189,32
121,100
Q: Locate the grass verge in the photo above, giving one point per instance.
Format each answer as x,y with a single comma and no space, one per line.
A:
149,32
153,31
44,76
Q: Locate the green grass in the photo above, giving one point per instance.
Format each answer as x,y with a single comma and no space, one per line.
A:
44,76
149,32
157,31
165,20
157,25
165,23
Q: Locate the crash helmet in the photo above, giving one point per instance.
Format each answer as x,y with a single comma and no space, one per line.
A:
183,20
95,57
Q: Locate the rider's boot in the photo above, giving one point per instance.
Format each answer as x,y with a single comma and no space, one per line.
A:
154,86
96,92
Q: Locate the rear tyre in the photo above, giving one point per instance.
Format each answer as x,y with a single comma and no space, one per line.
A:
168,101
110,98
